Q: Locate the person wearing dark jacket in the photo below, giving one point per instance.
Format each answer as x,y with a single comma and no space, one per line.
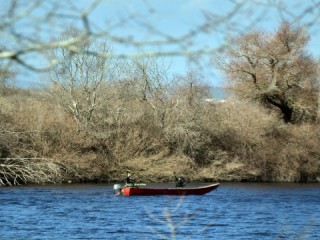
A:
129,180
180,183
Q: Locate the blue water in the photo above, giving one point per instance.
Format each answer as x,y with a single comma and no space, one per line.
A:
234,211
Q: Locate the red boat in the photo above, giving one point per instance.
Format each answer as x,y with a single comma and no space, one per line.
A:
136,190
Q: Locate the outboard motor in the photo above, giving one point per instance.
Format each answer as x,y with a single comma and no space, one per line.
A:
117,188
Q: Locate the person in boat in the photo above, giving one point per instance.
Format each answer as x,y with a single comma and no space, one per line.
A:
180,183
129,180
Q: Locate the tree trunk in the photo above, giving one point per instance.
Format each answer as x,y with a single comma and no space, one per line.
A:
279,101
292,112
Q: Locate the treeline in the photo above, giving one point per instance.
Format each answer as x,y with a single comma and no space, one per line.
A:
98,119
231,141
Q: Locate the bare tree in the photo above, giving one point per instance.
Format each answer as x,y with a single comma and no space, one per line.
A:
187,132
154,88
276,70
193,88
77,81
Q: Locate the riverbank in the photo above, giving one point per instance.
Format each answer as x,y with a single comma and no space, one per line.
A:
237,141
161,168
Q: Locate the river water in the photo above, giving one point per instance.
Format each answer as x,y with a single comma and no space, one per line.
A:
233,211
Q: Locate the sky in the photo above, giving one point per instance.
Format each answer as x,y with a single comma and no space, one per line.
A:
157,24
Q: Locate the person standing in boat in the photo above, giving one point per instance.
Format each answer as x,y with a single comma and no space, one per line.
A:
129,180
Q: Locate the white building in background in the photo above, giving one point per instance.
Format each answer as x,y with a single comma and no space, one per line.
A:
212,100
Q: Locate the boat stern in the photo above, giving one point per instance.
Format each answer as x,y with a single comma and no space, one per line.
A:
117,189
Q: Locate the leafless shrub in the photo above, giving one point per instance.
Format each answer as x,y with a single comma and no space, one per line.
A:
262,148
16,171
296,155
228,140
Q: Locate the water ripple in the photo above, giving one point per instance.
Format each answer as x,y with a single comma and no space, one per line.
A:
235,211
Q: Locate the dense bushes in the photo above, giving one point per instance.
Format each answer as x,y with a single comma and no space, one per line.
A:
232,141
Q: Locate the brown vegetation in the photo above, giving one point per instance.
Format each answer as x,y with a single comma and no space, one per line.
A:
275,70
89,126
233,141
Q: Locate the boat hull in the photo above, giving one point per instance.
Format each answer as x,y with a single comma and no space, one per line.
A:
132,191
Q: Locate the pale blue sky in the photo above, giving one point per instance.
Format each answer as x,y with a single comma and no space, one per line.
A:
175,18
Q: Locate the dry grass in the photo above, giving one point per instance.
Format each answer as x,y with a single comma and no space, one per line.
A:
234,141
